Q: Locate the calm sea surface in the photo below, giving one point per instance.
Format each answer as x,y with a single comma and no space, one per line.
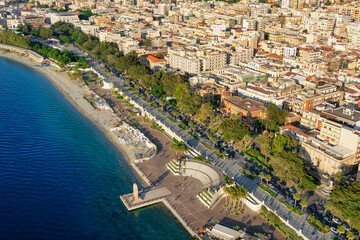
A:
60,178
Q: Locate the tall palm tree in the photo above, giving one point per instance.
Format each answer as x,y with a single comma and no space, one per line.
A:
265,150
303,204
338,177
262,176
268,178
296,196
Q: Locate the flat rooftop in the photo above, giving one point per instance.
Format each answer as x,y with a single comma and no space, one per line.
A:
246,103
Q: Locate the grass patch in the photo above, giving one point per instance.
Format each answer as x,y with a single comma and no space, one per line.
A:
172,120
156,127
161,112
201,159
318,225
182,126
193,135
136,123
266,189
291,208
207,146
255,155
276,222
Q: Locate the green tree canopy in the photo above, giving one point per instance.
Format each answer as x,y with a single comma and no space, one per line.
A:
46,32
234,129
206,112
283,142
345,203
236,192
288,166
275,117
179,147
8,37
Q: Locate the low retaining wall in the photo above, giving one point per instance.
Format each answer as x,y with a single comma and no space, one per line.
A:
179,218
141,174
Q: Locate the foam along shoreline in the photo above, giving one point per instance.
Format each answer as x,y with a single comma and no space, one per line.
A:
74,94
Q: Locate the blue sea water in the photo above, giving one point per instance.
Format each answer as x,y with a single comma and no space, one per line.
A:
60,178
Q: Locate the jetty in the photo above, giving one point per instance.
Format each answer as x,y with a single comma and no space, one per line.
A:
147,197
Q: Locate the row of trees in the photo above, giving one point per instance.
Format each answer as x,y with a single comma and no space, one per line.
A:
64,57
8,37
171,85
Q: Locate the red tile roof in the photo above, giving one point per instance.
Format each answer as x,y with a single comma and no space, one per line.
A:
155,59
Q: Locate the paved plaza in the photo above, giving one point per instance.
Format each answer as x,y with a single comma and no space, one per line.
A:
184,189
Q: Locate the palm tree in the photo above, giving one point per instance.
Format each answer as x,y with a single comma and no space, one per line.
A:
265,150
338,177
262,175
350,235
341,230
303,204
268,178
236,193
296,196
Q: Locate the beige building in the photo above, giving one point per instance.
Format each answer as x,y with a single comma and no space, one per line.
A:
328,159
310,119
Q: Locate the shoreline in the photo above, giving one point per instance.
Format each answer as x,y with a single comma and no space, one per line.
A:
59,80
71,91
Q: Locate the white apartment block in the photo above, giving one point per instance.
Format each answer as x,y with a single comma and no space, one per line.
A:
13,23
290,51
63,17
185,63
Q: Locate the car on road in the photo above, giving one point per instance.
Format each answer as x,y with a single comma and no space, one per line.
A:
327,219
347,227
290,200
292,189
325,175
334,230
337,221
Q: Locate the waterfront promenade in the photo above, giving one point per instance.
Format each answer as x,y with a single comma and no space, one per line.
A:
230,168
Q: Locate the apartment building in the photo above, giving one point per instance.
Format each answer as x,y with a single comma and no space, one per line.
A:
188,64
311,119
63,17
212,60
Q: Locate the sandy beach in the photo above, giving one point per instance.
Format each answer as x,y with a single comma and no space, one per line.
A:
74,93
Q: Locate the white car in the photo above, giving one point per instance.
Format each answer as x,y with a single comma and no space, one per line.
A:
334,230
337,221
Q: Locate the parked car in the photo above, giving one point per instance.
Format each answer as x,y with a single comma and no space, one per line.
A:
290,199
327,219
325,175
337,221
347,227
334,230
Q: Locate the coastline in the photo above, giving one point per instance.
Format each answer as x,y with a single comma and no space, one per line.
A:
74,94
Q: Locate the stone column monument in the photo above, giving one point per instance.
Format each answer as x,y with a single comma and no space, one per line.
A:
136,193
